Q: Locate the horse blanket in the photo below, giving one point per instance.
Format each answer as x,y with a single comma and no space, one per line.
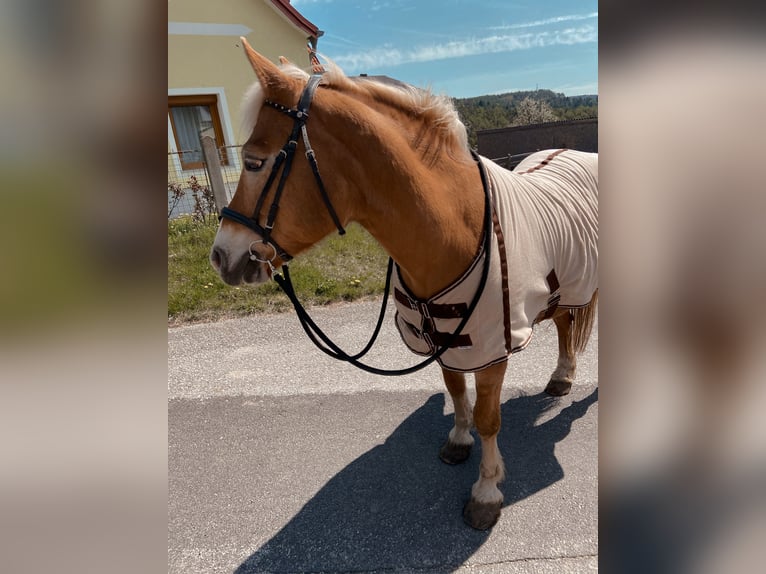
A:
543,254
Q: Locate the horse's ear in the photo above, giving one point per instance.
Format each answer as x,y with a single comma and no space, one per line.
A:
284,61
269,75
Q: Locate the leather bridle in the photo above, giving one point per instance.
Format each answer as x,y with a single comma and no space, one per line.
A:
284,158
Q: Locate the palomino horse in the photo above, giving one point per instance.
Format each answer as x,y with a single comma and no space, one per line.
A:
395,159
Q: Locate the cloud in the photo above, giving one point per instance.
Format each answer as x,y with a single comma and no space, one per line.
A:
390,57
546,22
335,40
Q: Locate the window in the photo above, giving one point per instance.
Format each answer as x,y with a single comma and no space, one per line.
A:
192,117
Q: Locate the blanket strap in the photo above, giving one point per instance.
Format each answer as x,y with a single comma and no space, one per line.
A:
432,310
437,338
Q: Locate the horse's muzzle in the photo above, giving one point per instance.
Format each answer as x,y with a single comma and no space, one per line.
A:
244,270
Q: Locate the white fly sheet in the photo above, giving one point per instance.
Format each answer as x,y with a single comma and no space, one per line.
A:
544,253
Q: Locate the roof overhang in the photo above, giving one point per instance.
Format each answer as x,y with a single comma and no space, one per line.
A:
295,18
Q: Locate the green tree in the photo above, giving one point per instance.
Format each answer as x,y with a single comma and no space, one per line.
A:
500,110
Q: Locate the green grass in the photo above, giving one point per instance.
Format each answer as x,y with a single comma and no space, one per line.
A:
337,269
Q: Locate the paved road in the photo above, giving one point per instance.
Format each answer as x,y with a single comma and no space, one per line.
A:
283,460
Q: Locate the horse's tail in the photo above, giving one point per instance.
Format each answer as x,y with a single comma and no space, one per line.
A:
582,323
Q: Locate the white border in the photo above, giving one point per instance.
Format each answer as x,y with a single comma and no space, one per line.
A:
207,29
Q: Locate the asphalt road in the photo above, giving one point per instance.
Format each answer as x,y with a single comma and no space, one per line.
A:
283,460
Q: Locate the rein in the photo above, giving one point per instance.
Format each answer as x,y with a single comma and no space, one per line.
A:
312,330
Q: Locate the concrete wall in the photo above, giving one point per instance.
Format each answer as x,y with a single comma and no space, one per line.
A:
573,134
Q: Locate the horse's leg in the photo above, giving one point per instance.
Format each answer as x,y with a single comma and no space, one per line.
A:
561,379
483,510
457,448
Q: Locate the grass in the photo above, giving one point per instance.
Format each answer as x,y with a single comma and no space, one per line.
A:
337,269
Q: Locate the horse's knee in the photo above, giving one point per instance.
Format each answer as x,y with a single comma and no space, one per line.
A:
486,413
455,383
487,424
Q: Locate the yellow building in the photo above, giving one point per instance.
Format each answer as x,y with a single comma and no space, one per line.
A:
208,72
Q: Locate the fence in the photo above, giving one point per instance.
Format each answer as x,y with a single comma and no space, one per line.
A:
202,181
511,161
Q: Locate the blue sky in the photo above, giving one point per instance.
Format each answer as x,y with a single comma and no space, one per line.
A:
464,48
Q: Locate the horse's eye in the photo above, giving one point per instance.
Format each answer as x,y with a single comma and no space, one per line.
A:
253,164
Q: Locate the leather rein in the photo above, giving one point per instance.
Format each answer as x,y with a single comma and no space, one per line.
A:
285,159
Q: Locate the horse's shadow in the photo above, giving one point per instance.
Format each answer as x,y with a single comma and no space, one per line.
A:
399,506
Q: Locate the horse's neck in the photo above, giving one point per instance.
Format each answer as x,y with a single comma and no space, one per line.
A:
428,217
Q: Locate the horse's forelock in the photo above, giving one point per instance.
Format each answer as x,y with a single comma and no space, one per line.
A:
251,106
254,98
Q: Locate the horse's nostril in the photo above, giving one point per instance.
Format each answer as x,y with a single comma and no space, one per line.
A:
216,258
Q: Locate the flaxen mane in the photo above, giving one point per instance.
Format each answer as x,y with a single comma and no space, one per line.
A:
437,113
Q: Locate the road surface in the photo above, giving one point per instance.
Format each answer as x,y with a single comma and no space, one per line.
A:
281,459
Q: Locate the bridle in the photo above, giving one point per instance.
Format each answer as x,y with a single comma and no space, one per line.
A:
300,116
318,337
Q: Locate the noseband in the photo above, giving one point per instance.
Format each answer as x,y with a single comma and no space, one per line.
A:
300,115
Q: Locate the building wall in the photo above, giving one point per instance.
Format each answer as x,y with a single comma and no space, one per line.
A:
215,62
573,134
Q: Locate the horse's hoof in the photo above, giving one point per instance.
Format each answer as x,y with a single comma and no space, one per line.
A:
452,453
558,388
481,515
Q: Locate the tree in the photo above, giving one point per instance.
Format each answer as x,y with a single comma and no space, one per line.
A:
531,111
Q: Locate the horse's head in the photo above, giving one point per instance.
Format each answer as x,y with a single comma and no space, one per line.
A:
379,144
278,209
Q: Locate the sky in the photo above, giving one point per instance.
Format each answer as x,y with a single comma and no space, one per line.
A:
464,48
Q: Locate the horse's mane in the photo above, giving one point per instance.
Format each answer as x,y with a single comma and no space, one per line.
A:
437,112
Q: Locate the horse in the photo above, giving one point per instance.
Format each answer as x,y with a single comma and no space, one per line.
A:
395,159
